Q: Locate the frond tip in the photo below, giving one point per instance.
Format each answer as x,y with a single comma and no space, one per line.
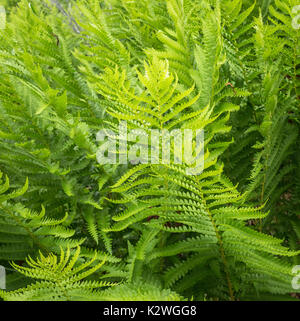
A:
61,278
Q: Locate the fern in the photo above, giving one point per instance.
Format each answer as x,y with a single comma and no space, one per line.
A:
198,207
70,225
61,280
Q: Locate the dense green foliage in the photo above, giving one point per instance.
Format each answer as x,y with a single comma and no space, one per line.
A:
74,229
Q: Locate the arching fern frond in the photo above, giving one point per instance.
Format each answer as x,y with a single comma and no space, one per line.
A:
61,278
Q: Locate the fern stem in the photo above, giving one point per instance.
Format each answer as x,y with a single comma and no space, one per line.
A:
221,248
223,257
264,181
